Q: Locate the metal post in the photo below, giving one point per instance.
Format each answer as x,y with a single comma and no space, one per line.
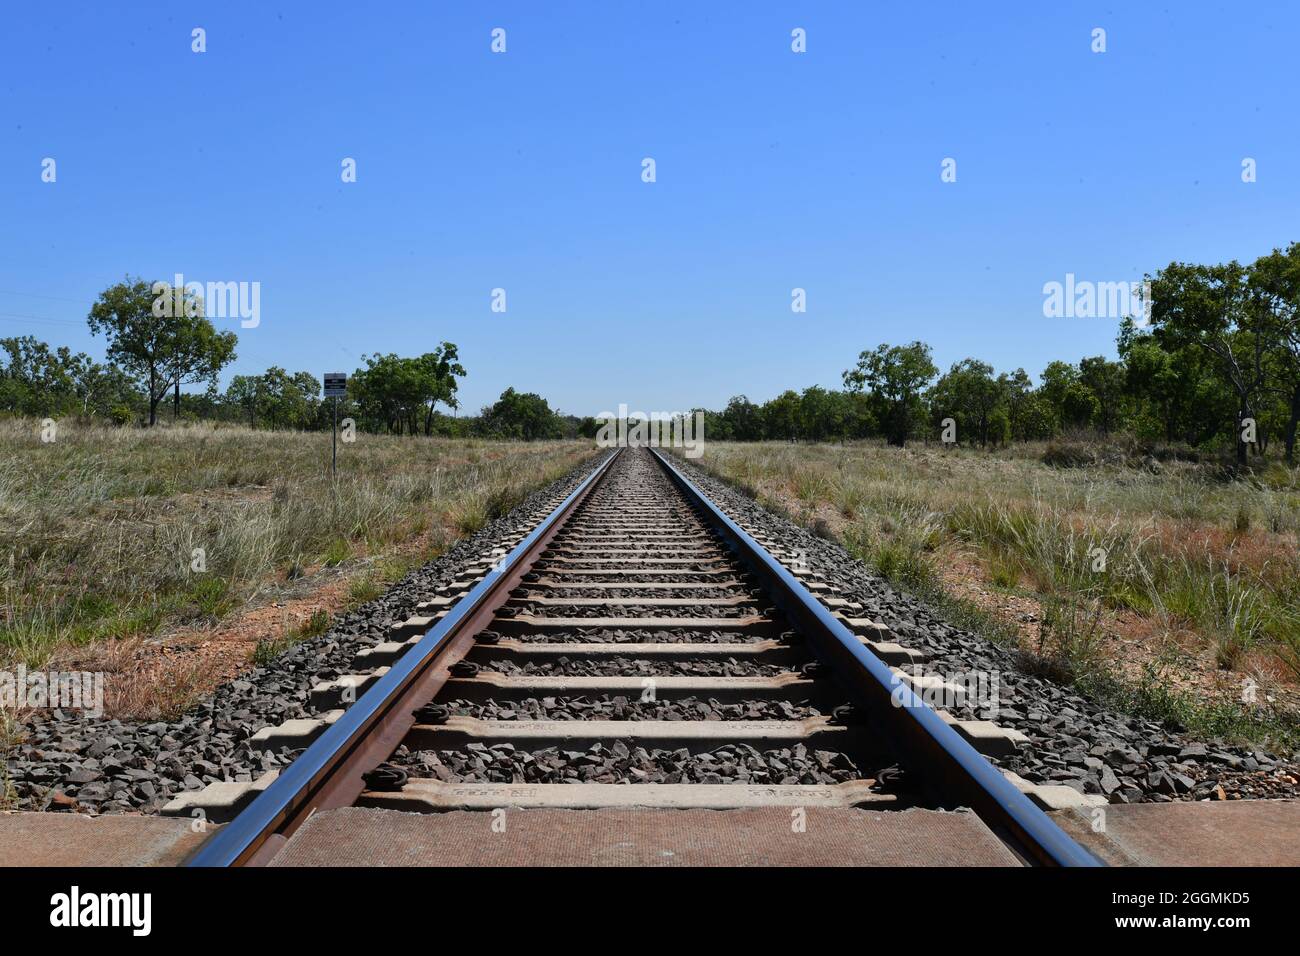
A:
336,384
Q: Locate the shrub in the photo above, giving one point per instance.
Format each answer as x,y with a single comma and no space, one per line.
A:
1068,455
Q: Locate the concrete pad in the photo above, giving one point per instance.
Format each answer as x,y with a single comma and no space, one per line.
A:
75,839
1205,833
750,837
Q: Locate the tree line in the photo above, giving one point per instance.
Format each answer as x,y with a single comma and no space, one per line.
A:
1215,364
159,340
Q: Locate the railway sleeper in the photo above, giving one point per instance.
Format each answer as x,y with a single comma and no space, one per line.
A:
344,690
491,685
294,734
219,802
435,796
697,736
753,624
763,651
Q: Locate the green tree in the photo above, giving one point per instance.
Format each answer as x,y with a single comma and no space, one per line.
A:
821,414
283,400
394,392
1105,380
244,392
970,395
34,380
1174,394
743,420
1208,307
1274,282
1072,403
781,416
895,377
163,350
1029,417
520,415
439,370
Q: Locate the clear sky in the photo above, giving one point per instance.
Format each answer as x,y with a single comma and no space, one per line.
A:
523,171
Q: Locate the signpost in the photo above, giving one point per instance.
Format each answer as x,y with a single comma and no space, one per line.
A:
336,384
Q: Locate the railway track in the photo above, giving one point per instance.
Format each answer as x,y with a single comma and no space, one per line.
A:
637,649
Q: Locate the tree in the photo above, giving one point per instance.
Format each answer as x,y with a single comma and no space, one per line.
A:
1073,404
163,350
520,415
438,373
1028,416
199,353
895,376
821,415
743,420
1173,392
781,416
1274,282
287,401
33,379
244,391
105,389
1105,379
1208,307
970,395
393,392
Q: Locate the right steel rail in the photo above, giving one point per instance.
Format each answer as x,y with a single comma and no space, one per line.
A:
934,749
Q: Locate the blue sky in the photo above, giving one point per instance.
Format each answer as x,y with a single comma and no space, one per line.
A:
522,171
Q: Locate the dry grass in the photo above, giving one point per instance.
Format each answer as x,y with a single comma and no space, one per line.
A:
1211,567
101,529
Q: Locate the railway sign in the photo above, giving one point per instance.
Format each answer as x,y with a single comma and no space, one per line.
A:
336,384
336,387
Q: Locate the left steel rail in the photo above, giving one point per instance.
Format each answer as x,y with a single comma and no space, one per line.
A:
328,774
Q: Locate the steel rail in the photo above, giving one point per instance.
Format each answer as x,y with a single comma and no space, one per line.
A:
328,773
946,761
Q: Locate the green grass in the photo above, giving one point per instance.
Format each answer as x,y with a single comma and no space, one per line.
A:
1152,697
268,649
317,624
336,553
363,589
1004,569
